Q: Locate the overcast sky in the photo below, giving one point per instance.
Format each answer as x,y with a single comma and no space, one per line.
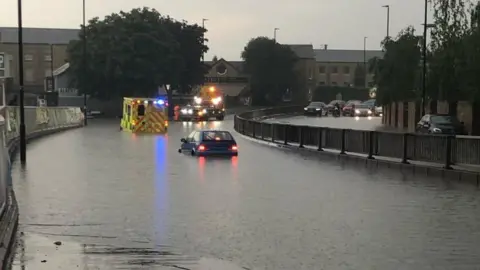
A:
341,24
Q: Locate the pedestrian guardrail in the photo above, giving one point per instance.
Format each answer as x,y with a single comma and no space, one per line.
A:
448,150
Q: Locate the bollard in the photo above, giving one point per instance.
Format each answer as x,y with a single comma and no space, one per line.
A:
272,131
262,135
371,135
285,133
448,153
344,139
301,137
320,139
405,147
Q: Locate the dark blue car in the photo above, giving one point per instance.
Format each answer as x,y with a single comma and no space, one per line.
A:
209,142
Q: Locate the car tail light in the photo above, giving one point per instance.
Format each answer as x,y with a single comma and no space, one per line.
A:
234,148
201,148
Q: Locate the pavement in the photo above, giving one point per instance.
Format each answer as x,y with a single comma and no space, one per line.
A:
114,200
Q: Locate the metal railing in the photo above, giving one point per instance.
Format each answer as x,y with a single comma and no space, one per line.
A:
447,150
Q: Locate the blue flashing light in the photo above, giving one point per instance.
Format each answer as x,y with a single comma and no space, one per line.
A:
160,102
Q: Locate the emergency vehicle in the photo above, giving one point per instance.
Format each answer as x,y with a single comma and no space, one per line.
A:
144,115
208,103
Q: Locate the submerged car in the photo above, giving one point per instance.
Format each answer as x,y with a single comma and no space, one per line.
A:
209,142
315,108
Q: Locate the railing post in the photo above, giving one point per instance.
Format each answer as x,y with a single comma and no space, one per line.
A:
254,128
448,153
371,135
285,133
301,137
405,148
320,139
344,140
272,131
243,127
262,135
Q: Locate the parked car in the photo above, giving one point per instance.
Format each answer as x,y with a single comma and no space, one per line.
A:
316,108
441,124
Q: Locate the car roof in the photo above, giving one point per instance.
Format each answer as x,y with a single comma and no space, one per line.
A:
214,130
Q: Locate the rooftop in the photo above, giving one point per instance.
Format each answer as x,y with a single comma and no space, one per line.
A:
303,51
345,56
38,35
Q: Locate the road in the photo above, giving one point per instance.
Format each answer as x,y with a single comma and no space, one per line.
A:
122,201
359,123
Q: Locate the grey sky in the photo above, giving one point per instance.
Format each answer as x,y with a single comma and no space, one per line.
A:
341,24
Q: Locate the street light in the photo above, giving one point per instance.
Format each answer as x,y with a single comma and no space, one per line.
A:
85,122
424,71
23,135
388,19
365,59
275,34
51,67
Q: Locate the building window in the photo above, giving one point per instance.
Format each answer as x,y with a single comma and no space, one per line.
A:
321,83
346,70
28,57
321,70
346,83
334,70
29,75
47,58
334,83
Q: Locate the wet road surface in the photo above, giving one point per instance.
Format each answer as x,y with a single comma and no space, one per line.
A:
358,123
122,201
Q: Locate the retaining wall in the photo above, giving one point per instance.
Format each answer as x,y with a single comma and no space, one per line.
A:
39,121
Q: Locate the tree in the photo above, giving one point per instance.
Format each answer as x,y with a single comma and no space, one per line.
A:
448,57
133,53
397,74
271,69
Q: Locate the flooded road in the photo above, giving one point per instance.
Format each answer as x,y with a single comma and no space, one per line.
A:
120,201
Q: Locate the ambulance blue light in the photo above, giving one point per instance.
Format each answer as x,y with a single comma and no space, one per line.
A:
160,102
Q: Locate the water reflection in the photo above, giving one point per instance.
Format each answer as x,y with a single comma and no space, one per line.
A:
161,189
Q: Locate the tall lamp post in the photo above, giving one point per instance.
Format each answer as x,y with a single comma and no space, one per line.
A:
275,34
365,59
23,139
51,67
85,121
388,19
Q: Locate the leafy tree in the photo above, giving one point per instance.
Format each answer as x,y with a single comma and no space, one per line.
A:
396,74
271,69
132,53
448,57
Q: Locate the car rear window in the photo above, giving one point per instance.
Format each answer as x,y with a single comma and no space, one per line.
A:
217,136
